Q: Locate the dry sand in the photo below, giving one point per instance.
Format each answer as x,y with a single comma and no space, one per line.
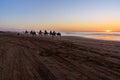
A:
66,58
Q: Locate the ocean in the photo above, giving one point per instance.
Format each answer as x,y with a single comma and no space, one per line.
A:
114,36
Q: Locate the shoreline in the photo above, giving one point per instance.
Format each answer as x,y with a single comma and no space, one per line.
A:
93,38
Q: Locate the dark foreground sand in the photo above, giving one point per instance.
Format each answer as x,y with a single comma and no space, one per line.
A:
66,58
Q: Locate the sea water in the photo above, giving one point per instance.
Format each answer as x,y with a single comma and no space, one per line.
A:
114,36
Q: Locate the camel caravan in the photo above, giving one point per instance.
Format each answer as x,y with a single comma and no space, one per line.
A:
42,33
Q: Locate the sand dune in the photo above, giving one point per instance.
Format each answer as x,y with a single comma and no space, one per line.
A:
66,58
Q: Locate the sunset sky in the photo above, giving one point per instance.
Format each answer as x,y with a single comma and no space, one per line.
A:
61,15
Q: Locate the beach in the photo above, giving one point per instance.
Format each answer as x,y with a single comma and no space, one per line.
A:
60,58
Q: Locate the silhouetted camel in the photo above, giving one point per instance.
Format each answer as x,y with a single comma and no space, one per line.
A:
26,32
54,33
33,33
40,32
45,33
59,34
50,33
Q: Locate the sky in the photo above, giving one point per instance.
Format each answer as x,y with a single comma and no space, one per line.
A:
60,15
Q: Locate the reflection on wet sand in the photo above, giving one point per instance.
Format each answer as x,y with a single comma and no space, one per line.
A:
106,37
96,35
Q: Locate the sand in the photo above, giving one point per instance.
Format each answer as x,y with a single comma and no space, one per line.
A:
66,58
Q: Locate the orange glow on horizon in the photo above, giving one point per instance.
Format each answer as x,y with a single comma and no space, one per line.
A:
100,26
108,30
76,26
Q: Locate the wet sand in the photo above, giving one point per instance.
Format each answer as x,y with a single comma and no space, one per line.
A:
66,58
